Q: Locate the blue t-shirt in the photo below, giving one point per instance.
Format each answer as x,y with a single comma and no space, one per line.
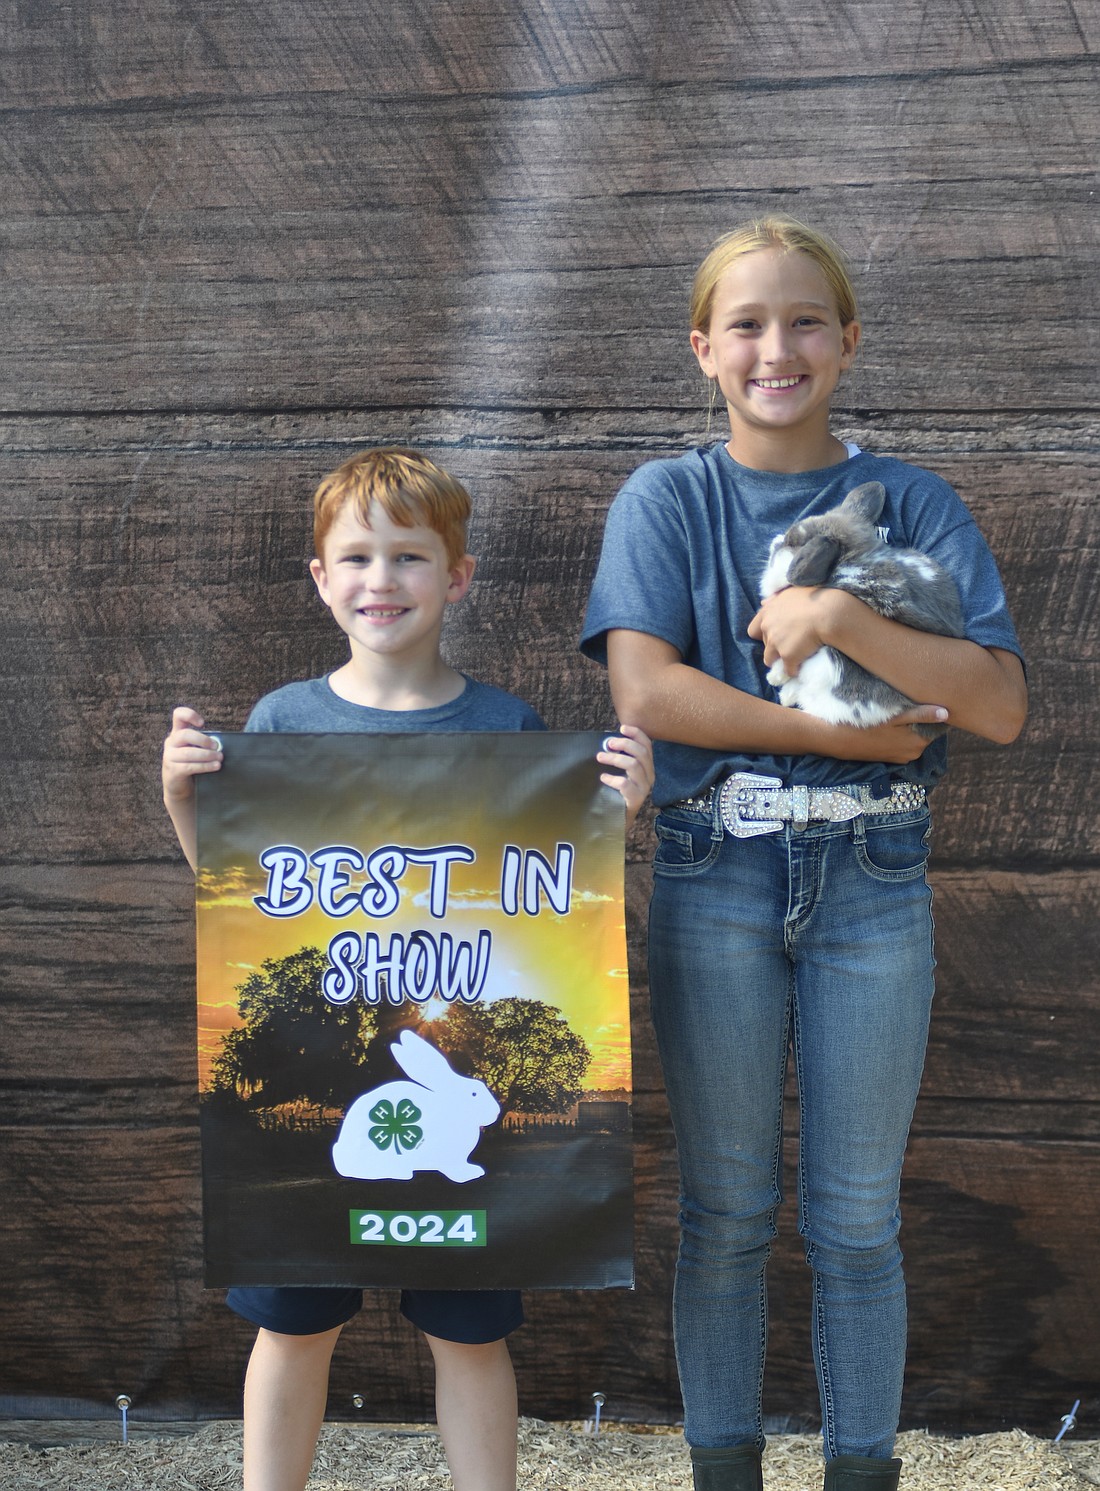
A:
311,707
683,552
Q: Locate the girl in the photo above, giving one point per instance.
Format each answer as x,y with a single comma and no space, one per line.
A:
779,918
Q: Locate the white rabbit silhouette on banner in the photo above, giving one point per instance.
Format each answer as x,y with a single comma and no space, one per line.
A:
433,1122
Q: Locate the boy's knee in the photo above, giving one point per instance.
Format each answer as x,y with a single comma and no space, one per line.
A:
288,1345
472,1353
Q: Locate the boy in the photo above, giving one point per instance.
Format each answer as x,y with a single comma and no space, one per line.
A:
390,544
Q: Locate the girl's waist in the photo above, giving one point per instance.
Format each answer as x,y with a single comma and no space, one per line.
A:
749,803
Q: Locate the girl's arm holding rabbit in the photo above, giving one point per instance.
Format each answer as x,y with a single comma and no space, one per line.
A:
651,683
982,688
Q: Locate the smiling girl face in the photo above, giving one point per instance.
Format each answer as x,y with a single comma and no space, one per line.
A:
776,347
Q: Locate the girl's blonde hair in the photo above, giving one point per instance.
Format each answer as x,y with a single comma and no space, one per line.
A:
764,233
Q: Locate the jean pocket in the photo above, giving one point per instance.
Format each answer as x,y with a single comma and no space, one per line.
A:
684,846
893,848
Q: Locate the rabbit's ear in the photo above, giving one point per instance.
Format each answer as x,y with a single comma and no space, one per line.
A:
813,563
866,501
421,1061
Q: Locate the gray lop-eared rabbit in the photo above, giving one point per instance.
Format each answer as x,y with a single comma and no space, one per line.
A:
842,549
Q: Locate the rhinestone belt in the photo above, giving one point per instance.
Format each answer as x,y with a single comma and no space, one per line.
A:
751,804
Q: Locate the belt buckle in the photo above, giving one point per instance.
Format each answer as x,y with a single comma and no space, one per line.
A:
737,792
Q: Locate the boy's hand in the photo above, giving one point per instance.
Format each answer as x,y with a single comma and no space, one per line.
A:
631,753
187,751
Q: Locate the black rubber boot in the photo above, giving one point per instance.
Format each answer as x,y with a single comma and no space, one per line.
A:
737,1469
858,1473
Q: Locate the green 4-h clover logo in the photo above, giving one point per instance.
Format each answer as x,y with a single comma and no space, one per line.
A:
397,1126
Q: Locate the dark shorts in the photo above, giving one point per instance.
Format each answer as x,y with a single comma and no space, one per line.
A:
473,1317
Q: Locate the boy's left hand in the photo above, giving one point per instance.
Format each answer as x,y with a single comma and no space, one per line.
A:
631,753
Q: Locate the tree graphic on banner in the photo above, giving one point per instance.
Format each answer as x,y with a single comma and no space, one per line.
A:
523,1049
293,1046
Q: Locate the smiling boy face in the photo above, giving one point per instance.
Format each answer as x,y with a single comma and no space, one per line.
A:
388,586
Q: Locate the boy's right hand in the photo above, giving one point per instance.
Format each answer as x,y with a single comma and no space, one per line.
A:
187,752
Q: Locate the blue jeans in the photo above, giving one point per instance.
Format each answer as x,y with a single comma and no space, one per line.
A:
818,940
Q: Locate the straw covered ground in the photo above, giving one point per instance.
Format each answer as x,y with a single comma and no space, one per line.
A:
553,1457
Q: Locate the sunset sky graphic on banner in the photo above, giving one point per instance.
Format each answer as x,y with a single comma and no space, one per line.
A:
573,961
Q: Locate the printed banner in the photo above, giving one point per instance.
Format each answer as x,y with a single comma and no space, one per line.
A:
413,1016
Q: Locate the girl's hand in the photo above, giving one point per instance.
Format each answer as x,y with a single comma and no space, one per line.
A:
793,622
895,742
631,752
187,751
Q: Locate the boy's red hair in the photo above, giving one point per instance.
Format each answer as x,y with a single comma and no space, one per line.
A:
410,489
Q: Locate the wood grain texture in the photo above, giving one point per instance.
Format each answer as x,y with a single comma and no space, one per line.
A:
240,242
110,1296
112,972
994,1274
133,54
190,586
335,249
101,1168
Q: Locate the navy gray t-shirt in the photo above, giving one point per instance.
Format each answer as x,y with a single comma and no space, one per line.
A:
311,707
683,552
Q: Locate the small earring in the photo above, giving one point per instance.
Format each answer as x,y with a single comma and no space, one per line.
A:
711,399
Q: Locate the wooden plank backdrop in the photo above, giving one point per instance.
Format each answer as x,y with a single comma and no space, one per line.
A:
239,242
